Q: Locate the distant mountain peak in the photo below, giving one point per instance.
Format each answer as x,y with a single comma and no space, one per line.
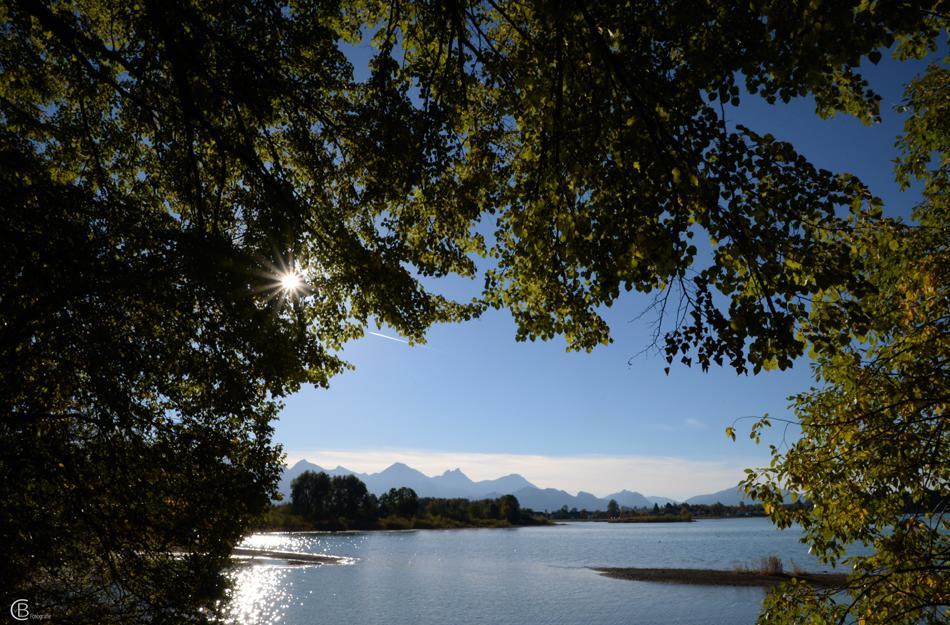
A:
454,476
303,464
399,467
402,471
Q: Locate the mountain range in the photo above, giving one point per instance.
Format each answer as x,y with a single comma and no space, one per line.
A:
455,483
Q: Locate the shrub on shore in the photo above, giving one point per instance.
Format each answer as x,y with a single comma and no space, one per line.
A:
768,565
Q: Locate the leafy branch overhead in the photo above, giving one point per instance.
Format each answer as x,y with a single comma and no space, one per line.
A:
596,135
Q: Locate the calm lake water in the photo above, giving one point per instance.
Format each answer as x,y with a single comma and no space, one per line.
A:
530,576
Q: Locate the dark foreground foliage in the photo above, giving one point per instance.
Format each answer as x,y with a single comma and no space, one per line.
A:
162,163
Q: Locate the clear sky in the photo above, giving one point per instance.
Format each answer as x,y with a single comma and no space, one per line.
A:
474,398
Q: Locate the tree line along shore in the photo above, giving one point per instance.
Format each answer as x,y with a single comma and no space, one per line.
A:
321,502
668,513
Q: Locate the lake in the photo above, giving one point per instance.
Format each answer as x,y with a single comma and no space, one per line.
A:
531,575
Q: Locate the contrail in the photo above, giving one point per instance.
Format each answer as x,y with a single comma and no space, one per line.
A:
391,338
403,341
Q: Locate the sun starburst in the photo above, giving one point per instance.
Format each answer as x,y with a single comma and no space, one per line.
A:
291,282
284,280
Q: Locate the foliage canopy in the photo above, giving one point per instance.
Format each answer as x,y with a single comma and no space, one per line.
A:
874,457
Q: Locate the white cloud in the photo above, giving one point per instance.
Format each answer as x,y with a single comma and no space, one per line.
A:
678,478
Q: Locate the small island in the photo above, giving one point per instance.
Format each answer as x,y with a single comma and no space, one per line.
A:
769,572
652,518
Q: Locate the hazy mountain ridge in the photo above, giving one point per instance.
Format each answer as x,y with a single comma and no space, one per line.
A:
729,497
454,483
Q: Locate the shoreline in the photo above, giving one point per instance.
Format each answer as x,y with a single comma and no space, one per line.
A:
384,530
390,524
713,577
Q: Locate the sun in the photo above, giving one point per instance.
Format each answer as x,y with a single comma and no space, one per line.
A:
283,281
290,282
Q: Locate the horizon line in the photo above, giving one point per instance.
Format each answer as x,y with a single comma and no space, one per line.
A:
662,476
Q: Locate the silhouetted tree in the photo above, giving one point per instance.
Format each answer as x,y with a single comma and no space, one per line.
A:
311,495
348,497
613,508
399,501
509,508
370,510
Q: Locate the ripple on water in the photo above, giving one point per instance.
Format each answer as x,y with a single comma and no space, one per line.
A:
260,594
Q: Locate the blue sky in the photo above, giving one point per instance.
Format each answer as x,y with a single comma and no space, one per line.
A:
474,398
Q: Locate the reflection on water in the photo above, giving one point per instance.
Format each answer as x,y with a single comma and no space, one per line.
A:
261,594
263,589
528,575
309,542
